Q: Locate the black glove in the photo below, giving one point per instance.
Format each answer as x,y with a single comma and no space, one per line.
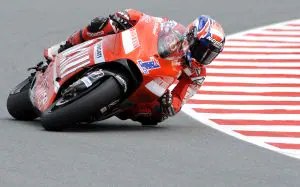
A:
65,46
166,102
97,24
121,20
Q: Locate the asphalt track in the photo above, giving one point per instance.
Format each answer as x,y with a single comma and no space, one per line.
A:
181,152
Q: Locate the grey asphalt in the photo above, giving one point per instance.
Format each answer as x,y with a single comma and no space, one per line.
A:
181,152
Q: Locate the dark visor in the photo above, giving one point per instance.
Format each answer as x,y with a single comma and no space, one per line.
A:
203,53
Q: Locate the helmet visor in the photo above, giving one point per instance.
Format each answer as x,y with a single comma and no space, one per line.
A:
202,53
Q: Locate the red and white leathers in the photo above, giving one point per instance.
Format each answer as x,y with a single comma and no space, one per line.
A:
189,82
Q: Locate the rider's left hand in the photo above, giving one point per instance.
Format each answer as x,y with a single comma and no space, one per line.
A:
166,102
121,20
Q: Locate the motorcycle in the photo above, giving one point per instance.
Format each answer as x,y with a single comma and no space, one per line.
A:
99,78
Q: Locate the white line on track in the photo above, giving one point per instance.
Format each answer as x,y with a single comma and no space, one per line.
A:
278,50
255,71
269,128
242,98
251,80
250,89
237,116
287,140
243,56
244,107
238,43
279,39
260,141
258,64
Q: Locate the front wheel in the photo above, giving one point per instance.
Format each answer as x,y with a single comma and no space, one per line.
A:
56,118
18,103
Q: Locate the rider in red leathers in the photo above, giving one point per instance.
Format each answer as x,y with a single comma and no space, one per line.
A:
197,46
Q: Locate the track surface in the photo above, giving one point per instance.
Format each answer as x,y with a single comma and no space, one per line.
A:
181,152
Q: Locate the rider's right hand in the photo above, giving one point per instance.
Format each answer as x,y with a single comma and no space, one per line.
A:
121,20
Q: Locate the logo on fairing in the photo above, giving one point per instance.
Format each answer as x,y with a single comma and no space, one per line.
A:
146,66
130,40
98,53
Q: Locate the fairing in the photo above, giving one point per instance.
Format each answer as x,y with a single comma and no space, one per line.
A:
138,44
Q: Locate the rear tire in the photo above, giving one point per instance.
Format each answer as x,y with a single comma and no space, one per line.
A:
80,109
19,104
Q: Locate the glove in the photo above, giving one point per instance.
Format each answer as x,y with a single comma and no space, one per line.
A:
121,20
166,102
65,46
51,52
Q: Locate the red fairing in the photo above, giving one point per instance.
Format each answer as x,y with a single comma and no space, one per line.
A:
156,80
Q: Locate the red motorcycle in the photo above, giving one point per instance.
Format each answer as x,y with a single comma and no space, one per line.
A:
99,78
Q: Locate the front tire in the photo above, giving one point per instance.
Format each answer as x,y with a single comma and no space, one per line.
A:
80,109
19,104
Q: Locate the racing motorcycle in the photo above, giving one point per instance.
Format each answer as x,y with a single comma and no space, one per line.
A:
98,79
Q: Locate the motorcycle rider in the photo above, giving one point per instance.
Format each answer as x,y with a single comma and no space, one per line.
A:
195,46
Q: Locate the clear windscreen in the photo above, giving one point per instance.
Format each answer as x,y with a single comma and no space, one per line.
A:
169,41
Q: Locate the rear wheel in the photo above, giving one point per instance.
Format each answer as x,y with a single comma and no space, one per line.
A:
19,105
63,114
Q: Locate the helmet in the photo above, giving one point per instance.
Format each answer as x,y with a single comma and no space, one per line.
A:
205,38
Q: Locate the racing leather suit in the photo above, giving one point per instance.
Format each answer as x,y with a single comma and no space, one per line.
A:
189,82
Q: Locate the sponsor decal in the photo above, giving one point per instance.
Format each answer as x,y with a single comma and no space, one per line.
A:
130,40
39,94
123,82
147,66
103,110
146,18
113,103
215,42
157,86
90,34
98,53
87,81
155,28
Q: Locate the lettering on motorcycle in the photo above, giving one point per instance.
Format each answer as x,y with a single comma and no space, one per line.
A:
130,40
146,66
39,96
157,86
135,39
155,28
146,18
122,82
98,53
113,103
